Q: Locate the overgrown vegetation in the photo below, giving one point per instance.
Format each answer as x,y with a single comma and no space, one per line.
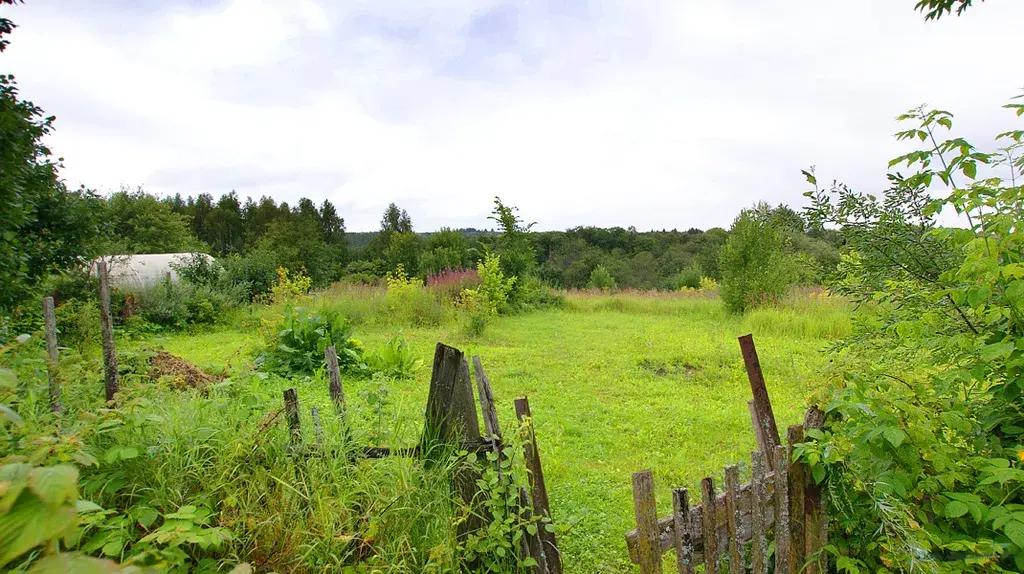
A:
923,453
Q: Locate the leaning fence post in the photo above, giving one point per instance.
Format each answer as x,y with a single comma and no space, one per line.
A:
682,539
110,378
291,414
52,359
765,429
535,473
337,392
532,542
709,528
483,385
646,513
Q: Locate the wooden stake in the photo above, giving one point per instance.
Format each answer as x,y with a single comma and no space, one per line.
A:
816,519
52,359
709,530
539,490
795,434
334,387
646,514
763,415
110,377
758,534
291,414
782,540
732,518
483,385
681,537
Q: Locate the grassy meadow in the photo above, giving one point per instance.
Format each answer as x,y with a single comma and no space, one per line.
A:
617,383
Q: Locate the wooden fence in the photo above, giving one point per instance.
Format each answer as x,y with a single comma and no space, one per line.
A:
450,420
731,530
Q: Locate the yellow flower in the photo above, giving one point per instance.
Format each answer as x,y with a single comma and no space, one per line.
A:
1020,455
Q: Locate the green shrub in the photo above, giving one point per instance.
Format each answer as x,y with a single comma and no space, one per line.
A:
922,452
78,324
407,302
688,278
180,304
301,339
255,273
394,359
601,279
756,269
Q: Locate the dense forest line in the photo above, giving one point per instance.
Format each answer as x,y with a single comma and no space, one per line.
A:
313,238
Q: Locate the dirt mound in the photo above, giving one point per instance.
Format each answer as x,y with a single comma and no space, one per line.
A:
181,372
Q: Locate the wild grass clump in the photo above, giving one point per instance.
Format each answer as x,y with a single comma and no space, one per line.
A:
448,285
808,313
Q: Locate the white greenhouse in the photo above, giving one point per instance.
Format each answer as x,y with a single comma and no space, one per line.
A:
134,271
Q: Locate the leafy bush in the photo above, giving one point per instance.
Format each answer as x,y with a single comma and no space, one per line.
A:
407,302
288,289
78,324
178,304
256,272
394,359
688,278
301,339
708,284
493,291
756,268
601,279
923,450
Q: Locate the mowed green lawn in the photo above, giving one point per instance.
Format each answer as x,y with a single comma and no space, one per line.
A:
616,384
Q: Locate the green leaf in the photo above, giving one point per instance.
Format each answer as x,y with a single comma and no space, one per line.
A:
894,435
956,509
73,562
85,506
997,350
113,548
970,169
8,414
978,295
1015,532
54,484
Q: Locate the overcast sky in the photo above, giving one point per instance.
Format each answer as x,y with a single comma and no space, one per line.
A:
653,113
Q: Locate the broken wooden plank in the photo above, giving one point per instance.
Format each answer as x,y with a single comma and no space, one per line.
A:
758,534
732,494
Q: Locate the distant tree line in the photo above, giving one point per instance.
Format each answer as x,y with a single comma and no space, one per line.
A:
313,238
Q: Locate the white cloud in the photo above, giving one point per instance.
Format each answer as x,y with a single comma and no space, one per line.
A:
655,114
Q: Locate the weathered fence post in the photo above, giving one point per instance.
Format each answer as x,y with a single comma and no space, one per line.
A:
451,421
816,523
732,518
782,541
110,378
532,542
794,435
765,429
682,539
531,456
483,385
291,415
709,529
758,528
645,510
52,359
337,392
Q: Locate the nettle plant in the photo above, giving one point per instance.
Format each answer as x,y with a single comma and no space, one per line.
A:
923,454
